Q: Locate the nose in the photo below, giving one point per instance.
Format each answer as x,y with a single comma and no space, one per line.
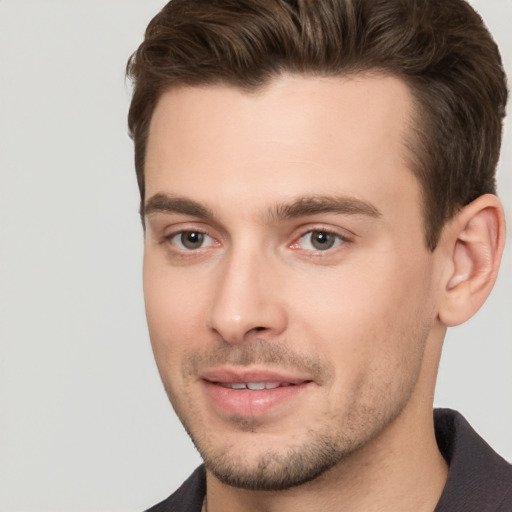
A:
248,300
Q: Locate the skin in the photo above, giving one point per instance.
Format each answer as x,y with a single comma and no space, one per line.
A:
359,325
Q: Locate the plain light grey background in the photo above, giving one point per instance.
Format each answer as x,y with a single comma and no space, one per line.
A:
84,422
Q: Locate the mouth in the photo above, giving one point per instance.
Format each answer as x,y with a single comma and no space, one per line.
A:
252,393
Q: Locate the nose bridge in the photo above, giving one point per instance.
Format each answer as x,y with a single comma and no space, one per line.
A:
246,299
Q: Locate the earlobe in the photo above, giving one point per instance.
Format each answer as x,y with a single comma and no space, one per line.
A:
475,240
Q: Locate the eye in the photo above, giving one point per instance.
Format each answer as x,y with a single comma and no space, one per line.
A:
191,240
319,240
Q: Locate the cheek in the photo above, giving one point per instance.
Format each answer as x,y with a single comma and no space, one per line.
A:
174,311
367,316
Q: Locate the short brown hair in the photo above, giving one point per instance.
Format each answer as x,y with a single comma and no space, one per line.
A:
440,48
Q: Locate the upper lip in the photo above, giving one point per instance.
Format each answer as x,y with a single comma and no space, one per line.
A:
226,375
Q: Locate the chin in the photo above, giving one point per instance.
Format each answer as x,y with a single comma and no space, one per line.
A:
273,471
256,464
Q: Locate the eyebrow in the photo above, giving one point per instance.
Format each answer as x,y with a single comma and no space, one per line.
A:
163,203
316,204
300,207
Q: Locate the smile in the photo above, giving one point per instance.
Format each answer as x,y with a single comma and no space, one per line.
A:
253,393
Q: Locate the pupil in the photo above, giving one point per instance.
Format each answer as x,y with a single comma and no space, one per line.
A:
322,240
192,240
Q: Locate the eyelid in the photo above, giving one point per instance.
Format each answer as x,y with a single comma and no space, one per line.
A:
168,230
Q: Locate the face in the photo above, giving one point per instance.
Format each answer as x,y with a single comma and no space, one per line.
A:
288,288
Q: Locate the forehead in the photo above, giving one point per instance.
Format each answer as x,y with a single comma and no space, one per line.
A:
296,135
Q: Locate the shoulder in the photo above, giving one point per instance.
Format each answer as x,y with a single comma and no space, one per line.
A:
188,498
479,480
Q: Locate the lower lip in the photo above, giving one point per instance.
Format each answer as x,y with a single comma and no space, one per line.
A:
247,403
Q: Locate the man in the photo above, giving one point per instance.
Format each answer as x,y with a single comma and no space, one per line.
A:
318,196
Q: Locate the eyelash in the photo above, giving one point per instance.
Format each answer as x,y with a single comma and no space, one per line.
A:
339,240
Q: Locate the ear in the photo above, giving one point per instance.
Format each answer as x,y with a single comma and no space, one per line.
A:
474,242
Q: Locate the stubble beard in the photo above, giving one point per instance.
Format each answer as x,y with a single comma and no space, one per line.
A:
275,470
334,439
279,469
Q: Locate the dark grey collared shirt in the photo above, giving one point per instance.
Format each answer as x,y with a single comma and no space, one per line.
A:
479,480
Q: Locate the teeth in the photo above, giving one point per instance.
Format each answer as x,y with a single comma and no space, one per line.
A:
255,386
